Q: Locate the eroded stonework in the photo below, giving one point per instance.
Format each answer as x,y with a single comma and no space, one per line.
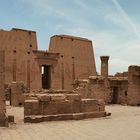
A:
61,83
61,105
3,117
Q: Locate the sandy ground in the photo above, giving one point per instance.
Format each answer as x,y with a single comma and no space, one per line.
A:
124,124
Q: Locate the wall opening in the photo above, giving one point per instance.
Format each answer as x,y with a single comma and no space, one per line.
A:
125,93
19,104
46,76
115,95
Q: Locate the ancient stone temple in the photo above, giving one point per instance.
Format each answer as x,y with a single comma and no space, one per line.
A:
68,58
60,83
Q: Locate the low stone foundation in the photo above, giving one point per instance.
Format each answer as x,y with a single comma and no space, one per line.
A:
59,117
51,107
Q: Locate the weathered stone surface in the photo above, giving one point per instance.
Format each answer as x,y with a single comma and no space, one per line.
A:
63,63
78,116
76,60
89,105
20,62
57,97
44,98
56,107
31,107
59,117
48,107
3,117
134,85
74,97
17,95
95,114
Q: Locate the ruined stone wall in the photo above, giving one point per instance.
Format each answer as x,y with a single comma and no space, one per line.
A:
76,60
3,120
121,86
18,95
123,74
134,85
19,59
123,94
96,87
61,106
100,88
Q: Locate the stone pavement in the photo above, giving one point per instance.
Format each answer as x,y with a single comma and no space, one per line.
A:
124,124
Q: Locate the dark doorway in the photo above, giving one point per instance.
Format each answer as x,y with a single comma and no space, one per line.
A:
46,77
115,95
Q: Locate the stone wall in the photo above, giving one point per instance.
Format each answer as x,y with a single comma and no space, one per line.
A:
96,87
134,85
19,59
3,117
61,106
99,88
119,89
17,95
112,89
76,60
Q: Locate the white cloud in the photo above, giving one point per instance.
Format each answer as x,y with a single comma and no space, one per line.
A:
129,22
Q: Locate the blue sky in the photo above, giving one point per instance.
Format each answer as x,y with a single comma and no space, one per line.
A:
112,25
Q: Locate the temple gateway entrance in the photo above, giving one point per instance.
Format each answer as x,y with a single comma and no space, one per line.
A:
46,76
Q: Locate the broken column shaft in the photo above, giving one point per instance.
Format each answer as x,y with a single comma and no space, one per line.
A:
104,65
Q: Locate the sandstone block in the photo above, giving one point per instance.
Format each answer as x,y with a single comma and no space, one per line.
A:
89,105
31,107
78,116
57,97
94,114
76,97
56,107
44,98
58,117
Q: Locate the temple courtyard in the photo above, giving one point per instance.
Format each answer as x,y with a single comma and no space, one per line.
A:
123,124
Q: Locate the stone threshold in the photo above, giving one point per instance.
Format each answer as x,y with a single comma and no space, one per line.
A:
59,117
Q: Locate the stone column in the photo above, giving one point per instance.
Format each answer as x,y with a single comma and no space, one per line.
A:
104,66
3,118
